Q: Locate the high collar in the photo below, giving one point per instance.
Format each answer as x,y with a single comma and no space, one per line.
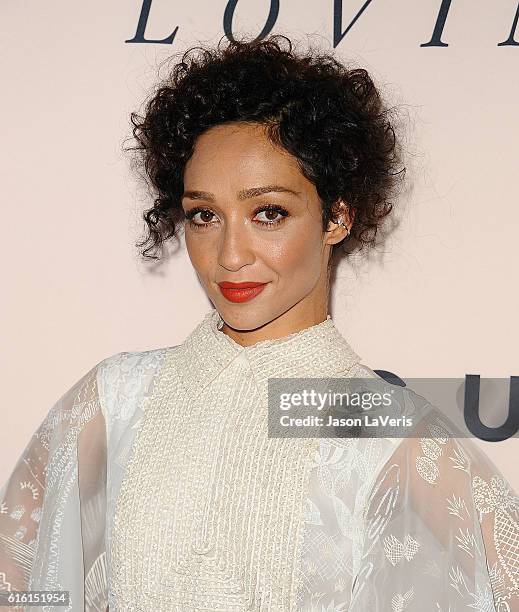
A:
316,351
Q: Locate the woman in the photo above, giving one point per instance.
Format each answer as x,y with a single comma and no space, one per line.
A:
152,483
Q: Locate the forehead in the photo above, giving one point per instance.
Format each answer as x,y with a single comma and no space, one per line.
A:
240,153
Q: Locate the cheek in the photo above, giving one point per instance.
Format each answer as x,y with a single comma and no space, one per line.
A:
297,256
199,251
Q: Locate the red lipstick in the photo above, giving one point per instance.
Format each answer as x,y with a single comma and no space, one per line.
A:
240,292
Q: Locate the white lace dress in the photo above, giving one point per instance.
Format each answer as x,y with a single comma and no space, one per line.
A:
152,485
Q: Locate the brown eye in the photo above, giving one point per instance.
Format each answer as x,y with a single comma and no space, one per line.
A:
271,214
205,217
274,215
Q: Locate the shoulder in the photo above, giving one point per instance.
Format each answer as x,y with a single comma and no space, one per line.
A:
124,378
361,370
131,363
439,456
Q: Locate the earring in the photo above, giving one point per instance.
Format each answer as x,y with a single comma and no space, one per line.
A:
343,225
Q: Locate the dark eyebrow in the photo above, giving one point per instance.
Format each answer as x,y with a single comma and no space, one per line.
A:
242,195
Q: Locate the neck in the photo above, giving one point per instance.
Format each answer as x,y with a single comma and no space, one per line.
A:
316,351
289,322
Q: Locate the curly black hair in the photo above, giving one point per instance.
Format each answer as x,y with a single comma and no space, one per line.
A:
331,118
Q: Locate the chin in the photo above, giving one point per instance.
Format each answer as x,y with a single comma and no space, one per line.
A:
244,317
247,317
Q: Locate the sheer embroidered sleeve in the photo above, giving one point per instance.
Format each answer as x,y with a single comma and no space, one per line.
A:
52,507
440,529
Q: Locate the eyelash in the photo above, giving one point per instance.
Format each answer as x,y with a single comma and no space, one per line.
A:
268,207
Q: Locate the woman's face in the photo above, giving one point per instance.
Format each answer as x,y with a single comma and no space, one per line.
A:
253,216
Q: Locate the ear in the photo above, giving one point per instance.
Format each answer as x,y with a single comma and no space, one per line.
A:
340,212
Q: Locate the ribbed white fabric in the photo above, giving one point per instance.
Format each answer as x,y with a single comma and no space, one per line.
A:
227,532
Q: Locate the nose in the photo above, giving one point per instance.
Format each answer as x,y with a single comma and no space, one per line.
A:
235,248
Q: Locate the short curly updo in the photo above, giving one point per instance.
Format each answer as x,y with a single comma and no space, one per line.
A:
331,118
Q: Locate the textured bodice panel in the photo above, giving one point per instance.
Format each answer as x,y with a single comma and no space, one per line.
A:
210,512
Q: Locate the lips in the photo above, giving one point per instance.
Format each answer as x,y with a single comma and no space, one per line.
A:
241,292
